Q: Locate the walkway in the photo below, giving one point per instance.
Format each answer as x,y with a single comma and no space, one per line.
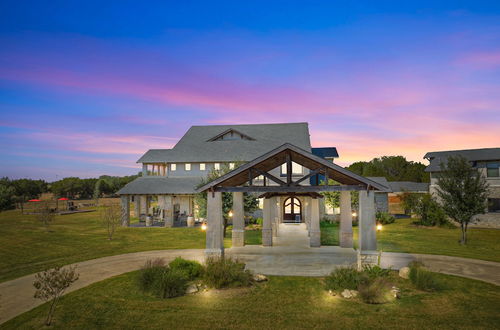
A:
16,296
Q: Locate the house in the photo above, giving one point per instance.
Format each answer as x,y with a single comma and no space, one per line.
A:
487,162
175,173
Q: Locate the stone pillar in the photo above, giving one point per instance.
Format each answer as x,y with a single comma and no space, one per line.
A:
125,206
215,225
274,216
314,231
238,220
143,207
367,229
267,231
137,206
307,214
345,220
168,211
279,209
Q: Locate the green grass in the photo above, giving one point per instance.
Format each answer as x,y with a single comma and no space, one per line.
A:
26,247
280,303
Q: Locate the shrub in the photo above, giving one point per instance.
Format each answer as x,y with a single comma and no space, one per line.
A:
375,291
259,221
149,272
226,272
373,271
192,269
423,279
169,283
343,278
430,212
385,218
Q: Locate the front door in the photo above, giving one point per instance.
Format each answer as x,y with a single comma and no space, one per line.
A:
292,210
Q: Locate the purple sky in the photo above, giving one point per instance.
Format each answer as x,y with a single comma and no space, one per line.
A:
86,89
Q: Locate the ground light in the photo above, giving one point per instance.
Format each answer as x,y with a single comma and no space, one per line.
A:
379,227
354,214
230,214
203,226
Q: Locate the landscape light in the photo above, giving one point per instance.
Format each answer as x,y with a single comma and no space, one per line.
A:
379,227
230,214
354,214
203,226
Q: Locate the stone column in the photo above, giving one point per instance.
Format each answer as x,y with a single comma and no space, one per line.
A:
143,207
307,214
367,241
274,216
314,230
168,211
215,225
345,219
238,220
125,206
267,231
137,206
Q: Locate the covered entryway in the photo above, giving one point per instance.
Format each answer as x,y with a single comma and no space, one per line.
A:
292,210
241,180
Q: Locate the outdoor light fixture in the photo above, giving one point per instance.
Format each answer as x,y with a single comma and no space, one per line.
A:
203,226
379,227
354,214
230,214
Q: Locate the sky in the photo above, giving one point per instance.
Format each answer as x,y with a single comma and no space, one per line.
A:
86,87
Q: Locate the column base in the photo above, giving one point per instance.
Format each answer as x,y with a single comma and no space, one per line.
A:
267,237
238,237
169,223
346,239
367,258
214,253
315,238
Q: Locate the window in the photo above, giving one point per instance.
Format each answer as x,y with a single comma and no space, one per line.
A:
492,170
202,166
296,169
187,167
217,166
493,204
231,166
173,167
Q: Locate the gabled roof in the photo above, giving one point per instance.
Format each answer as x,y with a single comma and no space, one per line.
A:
157,185
277,156
196,144
437,157
408,186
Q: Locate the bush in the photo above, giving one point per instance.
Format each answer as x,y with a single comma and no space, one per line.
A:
169,283
375,291
430,212
385,218
375,271
192,269
423,279
343,278
259,221
162,281
226,272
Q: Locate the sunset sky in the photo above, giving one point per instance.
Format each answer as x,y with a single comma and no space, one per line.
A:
86,88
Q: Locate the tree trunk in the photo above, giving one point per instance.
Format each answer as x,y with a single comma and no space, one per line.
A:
463,226
51,312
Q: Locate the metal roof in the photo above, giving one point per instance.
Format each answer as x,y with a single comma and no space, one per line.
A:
195,145
380,180
157,185
408,186
437,157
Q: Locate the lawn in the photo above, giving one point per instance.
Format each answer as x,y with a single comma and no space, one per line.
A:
26,247
282,302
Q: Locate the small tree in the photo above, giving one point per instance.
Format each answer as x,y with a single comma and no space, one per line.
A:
51,284
111,217
45,214
462,190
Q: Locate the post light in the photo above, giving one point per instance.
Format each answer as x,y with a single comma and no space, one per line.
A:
379,227
203,226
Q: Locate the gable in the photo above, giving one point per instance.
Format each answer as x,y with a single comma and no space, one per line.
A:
231,135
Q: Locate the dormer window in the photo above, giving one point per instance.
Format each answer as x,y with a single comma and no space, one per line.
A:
231,135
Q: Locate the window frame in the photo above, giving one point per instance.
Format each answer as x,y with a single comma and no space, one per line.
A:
187,167
203,166
216,166
173,167
493,166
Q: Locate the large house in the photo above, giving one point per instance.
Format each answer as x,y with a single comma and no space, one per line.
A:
487,162
178,171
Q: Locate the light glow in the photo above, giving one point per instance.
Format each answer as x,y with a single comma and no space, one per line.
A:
379,227
204,227
354,214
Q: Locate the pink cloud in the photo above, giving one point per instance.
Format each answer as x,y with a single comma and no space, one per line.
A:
481,59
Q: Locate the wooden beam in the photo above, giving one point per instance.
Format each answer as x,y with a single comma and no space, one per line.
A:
271,177
250,177
305,177
289,189
288,168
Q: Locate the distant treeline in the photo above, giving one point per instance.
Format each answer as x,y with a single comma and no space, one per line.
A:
22,190
393,168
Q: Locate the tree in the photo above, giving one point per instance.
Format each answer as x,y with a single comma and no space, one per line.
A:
462,191
44,214
25,189
394,168
111,217
250,202
51,284
332,198
6,194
